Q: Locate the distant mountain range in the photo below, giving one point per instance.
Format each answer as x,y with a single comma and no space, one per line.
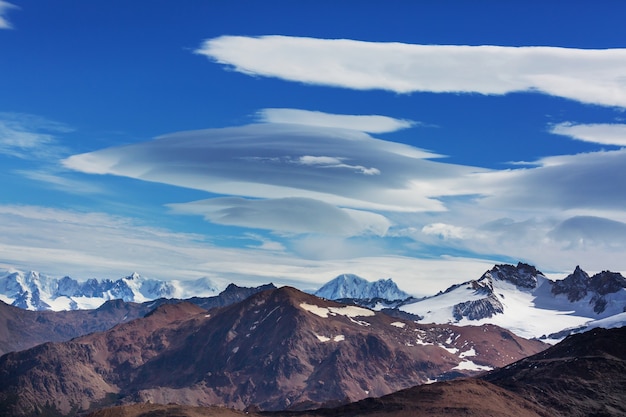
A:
22,329
35,291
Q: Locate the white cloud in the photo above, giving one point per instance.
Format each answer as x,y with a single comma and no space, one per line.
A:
60,182
30,137
444,231
588,232
334,162
585,75
586,181
88,245
601,133
287,215
279,180
4,7
362,123
341,167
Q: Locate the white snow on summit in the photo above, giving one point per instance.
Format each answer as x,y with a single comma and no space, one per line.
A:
520,299
35,291
355,287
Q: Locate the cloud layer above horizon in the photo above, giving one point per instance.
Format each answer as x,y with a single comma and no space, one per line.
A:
586,75
296,179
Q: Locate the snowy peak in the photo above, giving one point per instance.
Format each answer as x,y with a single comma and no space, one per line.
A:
522,299
349,286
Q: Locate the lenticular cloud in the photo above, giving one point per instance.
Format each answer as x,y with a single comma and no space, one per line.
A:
345,168
588,76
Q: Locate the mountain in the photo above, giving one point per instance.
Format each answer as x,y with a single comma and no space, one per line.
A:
35,291
278,349
584,375
521,298
22,329
349,286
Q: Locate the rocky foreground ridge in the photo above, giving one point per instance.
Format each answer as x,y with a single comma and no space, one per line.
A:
582,376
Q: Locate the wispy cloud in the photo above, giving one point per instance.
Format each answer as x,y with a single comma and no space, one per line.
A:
4,7
363,123
30,137
287,215
601,133
60,181
585,75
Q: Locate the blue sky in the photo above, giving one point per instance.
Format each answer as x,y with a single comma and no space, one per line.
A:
293,141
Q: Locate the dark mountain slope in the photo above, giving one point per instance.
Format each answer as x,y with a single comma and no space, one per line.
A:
73,375
22,329
584,375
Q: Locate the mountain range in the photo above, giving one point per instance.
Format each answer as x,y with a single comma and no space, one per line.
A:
352,287
523,300
517,297
278,349
35,291
584,375
21,329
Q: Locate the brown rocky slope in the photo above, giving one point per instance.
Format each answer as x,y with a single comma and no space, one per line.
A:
277,349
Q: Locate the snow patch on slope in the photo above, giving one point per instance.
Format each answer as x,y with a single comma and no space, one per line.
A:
348,311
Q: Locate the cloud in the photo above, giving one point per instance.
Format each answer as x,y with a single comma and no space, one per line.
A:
584,75
590,231
30,137
362,123
287,215
444,231
567,182
4,7
344,168
60,182
364,195
335,162
90,244
601,133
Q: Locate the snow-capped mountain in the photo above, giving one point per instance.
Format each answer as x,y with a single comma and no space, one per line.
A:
522,299
353,287
35,291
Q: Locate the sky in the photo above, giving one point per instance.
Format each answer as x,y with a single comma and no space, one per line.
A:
290,142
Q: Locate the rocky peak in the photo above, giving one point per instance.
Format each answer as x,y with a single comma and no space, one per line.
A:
522,275
607,282
575,285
